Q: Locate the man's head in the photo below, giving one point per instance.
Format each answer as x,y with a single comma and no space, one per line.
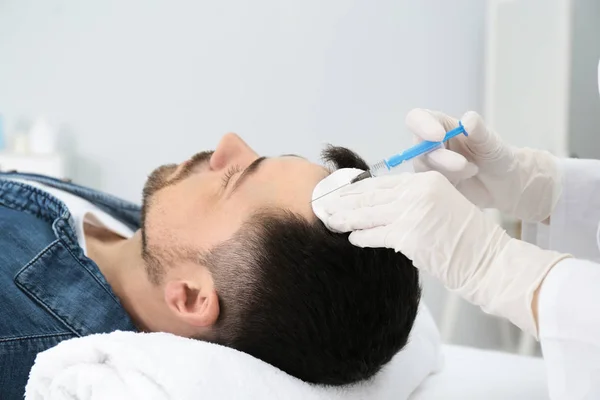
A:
232,241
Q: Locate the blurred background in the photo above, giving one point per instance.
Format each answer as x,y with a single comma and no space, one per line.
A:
103,92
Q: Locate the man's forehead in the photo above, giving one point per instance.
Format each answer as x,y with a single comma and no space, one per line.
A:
299,168
321,168
287,182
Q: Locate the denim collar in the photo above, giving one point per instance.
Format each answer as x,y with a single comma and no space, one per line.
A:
125,211
61,278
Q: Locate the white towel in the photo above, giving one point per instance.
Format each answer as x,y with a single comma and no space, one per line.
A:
153,366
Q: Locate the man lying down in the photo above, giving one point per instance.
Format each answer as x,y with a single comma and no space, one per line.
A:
226,249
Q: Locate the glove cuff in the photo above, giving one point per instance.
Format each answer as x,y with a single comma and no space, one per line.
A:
508,287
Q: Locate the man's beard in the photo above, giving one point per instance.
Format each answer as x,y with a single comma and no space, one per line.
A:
159,179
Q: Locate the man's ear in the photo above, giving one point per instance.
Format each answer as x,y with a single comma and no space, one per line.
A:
198,307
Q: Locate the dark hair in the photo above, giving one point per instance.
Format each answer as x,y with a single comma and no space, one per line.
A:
305,300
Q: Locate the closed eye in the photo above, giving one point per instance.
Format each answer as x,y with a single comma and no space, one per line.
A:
234,169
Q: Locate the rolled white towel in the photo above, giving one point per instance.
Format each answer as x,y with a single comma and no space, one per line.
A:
157,366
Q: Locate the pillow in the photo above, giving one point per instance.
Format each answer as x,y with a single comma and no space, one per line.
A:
129,365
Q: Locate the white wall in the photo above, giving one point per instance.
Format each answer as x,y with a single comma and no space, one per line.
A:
528,59
139,83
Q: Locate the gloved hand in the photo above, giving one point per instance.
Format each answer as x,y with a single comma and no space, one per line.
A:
423,216
521,182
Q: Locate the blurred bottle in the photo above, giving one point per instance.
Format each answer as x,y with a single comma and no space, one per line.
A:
42,137
19,140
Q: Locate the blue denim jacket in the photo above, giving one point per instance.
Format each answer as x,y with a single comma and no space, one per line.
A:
49,290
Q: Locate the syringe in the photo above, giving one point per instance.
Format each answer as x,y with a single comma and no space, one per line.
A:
387,164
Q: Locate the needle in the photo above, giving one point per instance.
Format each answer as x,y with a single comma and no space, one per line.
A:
359,177
331,191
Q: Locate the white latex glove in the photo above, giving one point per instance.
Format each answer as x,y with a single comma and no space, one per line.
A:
521,182
423,216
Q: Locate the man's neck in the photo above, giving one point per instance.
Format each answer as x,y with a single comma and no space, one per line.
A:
120,262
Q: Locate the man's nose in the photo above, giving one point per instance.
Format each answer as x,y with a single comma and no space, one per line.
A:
232,150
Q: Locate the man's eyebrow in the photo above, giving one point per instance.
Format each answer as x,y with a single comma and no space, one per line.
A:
250,169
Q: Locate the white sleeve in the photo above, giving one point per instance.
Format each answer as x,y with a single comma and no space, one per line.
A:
575,220
569,329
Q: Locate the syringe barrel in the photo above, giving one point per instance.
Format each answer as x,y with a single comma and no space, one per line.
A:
409,154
